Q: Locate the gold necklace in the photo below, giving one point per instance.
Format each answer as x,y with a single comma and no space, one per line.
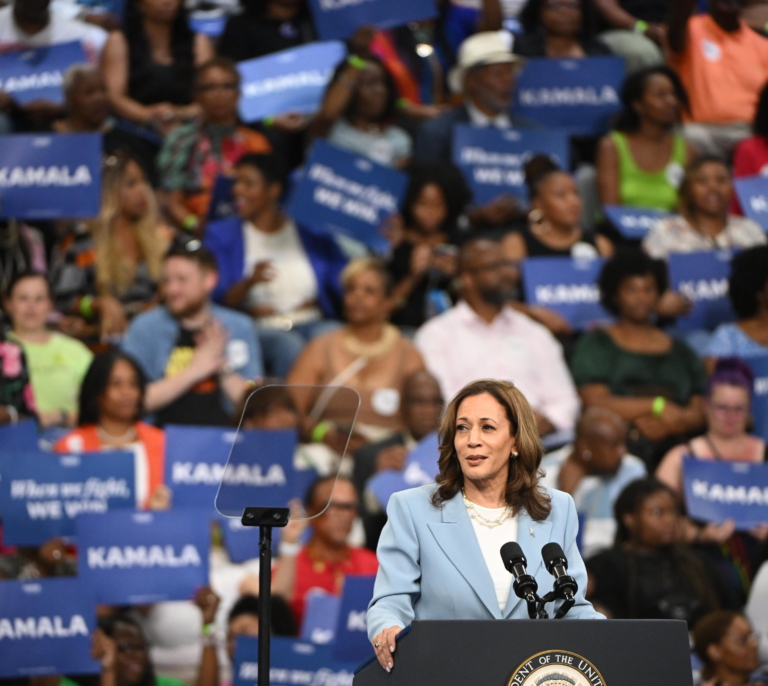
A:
480,518
354,346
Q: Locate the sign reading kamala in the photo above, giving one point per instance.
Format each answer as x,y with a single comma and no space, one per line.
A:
633,222
760,395
577,95
51,176
195,458
566,285
134,558
338,19
41,494
37,74
45,628
752,192
702,277
492,159
420,470
340,192
351,641
287,81
717,490
259,472
293,662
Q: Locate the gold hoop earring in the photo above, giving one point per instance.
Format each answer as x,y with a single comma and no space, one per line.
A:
536,216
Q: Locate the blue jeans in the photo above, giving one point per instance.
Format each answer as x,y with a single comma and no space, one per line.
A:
280,348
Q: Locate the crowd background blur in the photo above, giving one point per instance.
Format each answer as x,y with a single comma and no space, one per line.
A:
619,277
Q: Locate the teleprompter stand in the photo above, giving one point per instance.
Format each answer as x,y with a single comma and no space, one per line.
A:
266,518
523,652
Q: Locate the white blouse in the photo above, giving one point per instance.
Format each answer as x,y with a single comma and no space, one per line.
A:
490,541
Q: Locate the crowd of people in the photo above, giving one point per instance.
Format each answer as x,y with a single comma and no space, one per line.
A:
150,314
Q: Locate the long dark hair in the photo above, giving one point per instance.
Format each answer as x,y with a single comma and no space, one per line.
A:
749,276
451,182
760,122
633,90
140,56
709,631
523,490
96,381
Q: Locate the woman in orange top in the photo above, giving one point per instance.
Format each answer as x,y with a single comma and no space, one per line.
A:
111,401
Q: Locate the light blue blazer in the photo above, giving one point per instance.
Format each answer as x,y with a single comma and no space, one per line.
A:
431,566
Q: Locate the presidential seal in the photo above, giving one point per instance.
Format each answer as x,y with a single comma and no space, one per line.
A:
556,668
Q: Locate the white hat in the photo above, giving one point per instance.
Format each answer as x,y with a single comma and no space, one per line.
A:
486,47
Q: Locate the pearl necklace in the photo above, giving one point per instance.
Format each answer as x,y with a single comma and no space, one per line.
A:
481,519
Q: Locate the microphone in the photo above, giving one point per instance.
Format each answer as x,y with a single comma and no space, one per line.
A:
525,585
557,565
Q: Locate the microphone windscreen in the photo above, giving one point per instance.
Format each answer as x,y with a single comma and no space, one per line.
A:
551,553
512,554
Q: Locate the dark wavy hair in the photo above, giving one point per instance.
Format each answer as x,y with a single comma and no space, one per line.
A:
140,56
451,182
96,381
630,501
748,279
530,18
633,91
625,263
709,631
283,623
523,489
390,109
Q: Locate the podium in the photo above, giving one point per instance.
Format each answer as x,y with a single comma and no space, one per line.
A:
537,653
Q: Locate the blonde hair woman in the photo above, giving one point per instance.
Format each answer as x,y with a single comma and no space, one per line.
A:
108,269
368,354
439,551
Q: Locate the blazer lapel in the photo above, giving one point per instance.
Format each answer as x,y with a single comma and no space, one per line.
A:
532,536
456,537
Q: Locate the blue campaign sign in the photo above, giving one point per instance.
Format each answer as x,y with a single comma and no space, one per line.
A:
135,558
242,542
210,26
566,285
222,203
292,662
579,96
702,277
338,19
50,176
633,222
493,159
45,628
287,81
760,395
195,458
42,494
21,436
720,490
420,470
752,192
259,472
351,642
340,192
320,617
37,74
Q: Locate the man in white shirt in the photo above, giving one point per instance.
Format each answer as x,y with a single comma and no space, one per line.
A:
37,24
594,470
483,337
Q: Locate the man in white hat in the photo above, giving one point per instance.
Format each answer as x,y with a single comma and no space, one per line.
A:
485,74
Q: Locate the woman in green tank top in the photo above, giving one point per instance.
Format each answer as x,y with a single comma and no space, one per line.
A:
642,161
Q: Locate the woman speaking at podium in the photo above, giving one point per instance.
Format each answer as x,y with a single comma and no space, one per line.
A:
439,553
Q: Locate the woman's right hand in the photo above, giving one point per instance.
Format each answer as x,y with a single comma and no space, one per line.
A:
111,315
384,646
103,649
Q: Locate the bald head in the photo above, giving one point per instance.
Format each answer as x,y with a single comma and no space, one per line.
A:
600,440
422,404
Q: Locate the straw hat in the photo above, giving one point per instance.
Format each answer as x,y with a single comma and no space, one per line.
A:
486,47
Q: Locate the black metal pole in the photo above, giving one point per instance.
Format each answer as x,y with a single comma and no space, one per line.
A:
265,602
